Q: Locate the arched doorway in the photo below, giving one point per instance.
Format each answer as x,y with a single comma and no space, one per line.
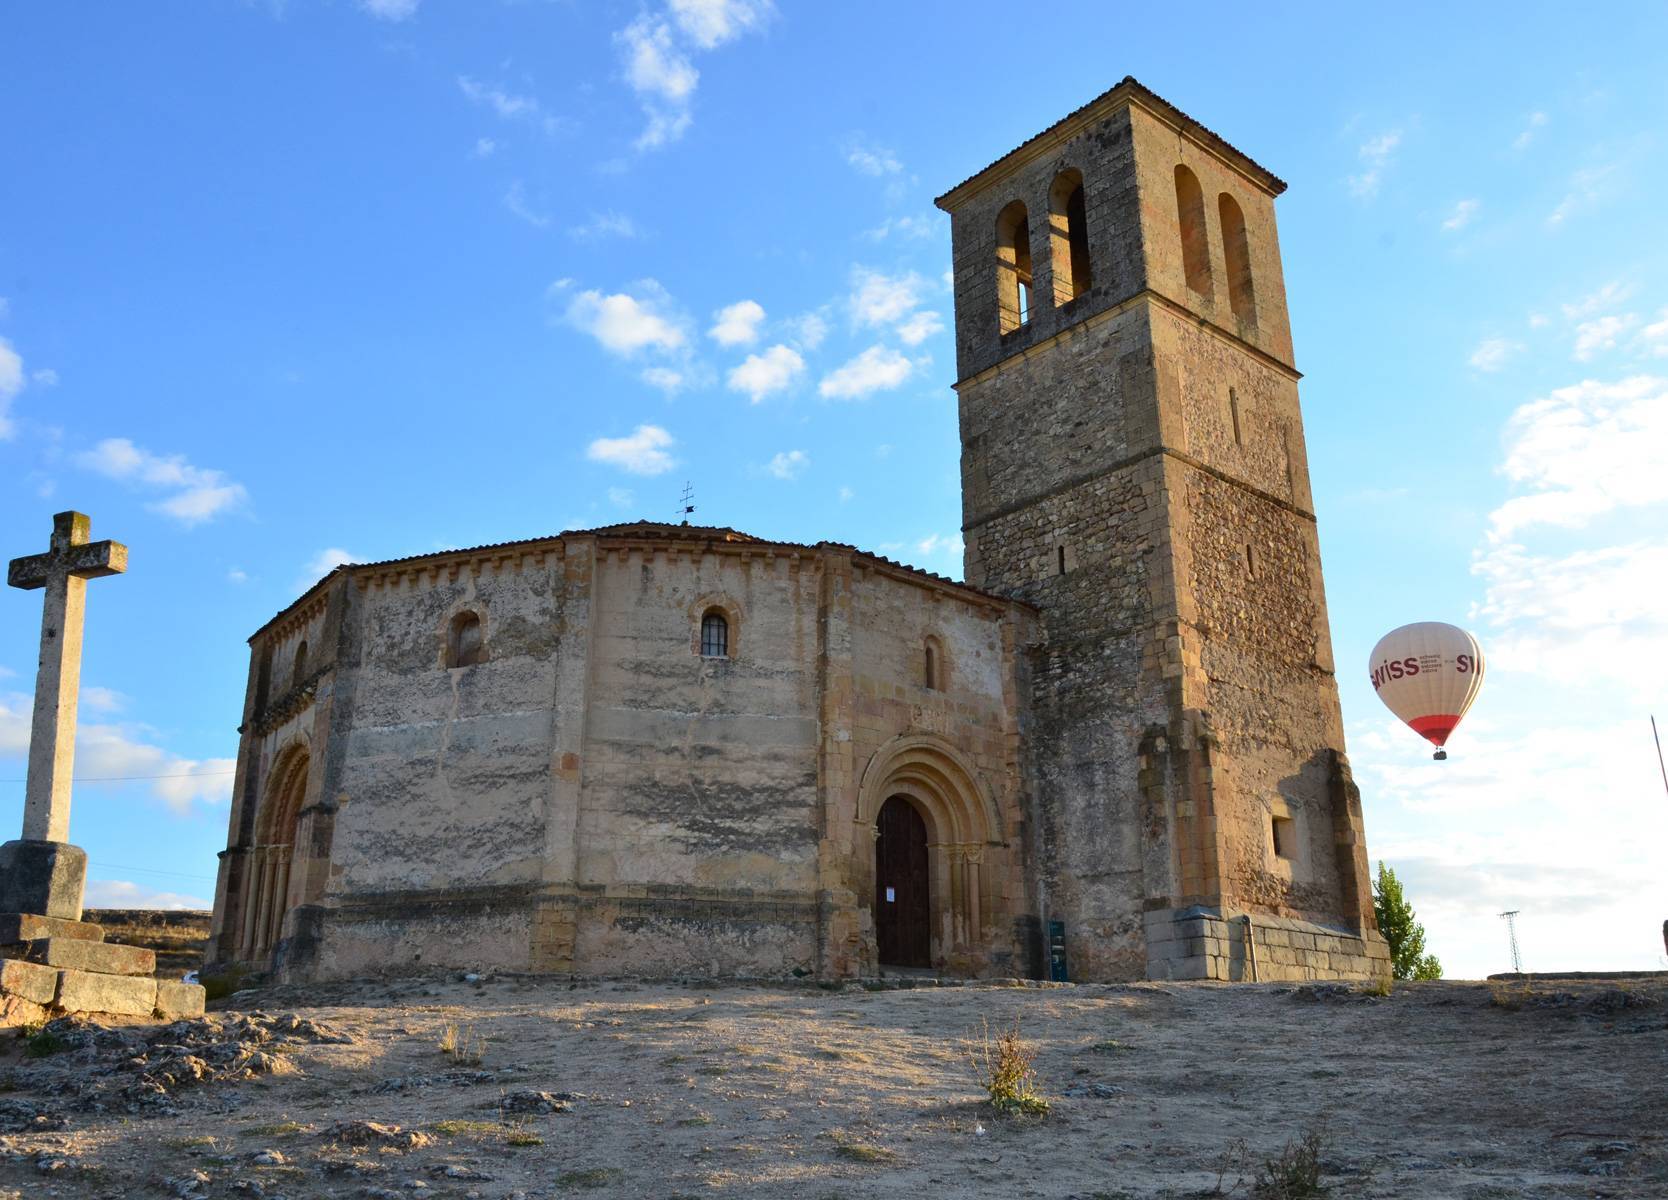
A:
267,891
903,910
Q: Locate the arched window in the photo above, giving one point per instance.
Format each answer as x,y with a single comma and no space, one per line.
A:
464,643
1013,267
1236,253
298,670
1068,236
1190,220
715,635
932,665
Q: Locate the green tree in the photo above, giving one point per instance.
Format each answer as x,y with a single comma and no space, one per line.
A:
1402,930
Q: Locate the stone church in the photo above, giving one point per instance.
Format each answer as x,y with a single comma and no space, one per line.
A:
1115,752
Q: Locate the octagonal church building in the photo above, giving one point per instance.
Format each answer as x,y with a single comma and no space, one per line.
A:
1115,752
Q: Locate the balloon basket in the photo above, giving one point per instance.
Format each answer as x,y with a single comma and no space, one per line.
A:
1440,755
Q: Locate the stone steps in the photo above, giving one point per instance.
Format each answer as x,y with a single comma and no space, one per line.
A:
28,927
70,971
79,954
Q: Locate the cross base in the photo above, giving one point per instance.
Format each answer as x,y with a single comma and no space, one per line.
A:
45,878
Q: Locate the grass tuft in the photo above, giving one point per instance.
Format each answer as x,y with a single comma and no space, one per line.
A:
462,1044
1005,1067
1295,1174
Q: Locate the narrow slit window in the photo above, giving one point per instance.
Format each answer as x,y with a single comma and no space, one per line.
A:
715,636
1233,411
930,666
1060,553
1190,222
298,670
1250,562
1068,236
1013,267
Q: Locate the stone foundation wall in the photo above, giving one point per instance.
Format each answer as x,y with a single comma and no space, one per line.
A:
1203,942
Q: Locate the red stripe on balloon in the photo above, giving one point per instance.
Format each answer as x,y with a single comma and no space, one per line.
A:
1436,728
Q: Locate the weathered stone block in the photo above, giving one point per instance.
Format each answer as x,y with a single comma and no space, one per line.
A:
175,1000
122,995
80,955
42,877
26,927
30,981
16,1011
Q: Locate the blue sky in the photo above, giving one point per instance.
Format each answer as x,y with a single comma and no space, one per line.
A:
289,283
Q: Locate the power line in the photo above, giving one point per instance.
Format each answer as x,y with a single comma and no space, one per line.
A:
131,778
109,866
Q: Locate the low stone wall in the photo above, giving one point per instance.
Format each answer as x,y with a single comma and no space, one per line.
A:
1203,942
178,936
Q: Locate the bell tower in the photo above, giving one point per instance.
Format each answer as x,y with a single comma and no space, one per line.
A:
1133,465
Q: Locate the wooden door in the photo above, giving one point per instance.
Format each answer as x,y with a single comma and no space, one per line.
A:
902,912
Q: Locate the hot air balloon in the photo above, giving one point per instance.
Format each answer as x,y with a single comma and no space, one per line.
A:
1428,673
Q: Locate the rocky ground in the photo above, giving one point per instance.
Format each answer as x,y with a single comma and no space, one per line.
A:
505,1088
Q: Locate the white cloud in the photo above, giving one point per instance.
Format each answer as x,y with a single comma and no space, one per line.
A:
737,324
943,544
879,299
872,160
808,330
761,374
1587,188
1601,333
507,105
120,893
198,493
879,368
621,497
102,699
1653,339
918,327
120,754
788,464
711,23
662,76
1492,353
515,199
625,324
608,224
1375,155
1533,125
1585,617
1584,451
1606,297
324,562
846,494
485,147
1461,216
909,227
390,10
11,383
45,377
656,49
667,379
643,452
237,575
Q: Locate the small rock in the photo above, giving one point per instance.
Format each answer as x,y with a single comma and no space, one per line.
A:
46,1166
415,1185
530,1101
267,1158
455,1171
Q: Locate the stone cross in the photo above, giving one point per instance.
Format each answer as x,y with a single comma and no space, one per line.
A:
63,571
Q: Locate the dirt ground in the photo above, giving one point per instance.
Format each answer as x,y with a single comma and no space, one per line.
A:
621,1089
